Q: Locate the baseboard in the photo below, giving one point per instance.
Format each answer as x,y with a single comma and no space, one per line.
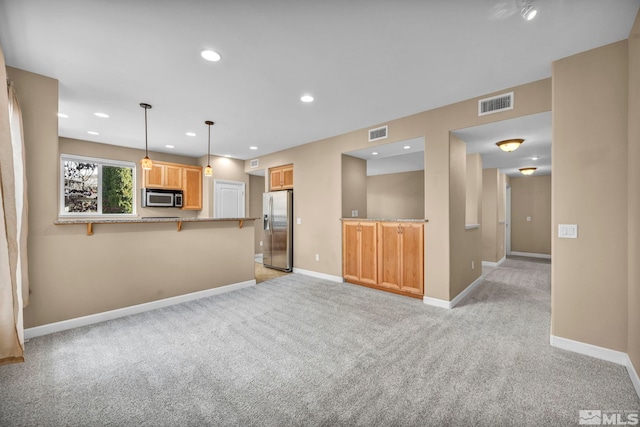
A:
602,353
633,374
127,311
318,275
493,264
461,296
531,255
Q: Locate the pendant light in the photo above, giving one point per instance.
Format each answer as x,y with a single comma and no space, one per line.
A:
527,171
146,163
509,145
208,171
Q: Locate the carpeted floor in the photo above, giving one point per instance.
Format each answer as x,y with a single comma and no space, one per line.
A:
303,351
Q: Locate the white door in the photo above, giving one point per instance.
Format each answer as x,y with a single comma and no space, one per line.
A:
228,199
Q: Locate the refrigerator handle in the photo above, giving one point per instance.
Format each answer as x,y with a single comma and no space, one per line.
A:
270,224
265,222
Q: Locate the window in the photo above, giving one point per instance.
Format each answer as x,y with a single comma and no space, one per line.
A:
92,186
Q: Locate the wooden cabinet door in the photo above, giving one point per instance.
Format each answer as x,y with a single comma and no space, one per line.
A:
411,257
368,253
388,254
275,179
154,178
350,244
192,188
172,177
287,177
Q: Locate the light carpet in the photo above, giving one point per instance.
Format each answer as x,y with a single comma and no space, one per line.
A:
298,350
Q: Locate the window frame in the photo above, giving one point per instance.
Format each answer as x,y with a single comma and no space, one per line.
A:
100,162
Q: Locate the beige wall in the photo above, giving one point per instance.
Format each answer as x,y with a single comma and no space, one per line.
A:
466,244
589,188
396,195
318,188
531,197
256,189
492,215
354,186
474,189
633,185
72,274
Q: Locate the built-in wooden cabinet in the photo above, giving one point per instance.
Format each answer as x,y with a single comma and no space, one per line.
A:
163,175
173,176
360,252
281,178
384,255
192,188
401,256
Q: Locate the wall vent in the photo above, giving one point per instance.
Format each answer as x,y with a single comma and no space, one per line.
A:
378,133
495,104
254,163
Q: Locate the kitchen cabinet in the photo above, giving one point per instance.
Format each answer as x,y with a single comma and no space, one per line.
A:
191,188
359,249
401,256
163,175
384,255
281,178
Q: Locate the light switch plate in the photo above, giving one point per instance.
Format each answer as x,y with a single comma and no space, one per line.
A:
299,221
568,231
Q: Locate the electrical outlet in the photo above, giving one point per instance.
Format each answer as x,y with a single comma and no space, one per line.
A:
528,218
356,213
317,257
473,265
260,242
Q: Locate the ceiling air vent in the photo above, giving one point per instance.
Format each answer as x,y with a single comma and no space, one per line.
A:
254,163
378,133
495,104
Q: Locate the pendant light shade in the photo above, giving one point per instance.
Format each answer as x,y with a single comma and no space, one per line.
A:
146,163
509,145
208,171
527,171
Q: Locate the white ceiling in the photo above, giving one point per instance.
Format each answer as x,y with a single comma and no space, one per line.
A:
364,61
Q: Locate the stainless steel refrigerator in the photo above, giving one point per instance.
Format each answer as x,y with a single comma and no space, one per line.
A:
277,222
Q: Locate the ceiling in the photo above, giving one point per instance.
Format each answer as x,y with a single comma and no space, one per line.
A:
365,62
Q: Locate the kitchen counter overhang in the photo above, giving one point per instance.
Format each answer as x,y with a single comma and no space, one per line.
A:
148,220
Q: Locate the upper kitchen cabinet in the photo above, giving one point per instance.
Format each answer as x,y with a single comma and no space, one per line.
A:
192,187
281,178
163,175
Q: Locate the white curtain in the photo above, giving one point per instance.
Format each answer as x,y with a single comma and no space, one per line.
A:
14,288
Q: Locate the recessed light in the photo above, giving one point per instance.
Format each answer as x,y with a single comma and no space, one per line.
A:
306,98
101,115
406,147
190,134
64,116
535,158
375,153
253,148
91,132
169,146
227,155
211,55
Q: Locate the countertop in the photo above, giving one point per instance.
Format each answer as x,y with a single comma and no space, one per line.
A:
384,219
65,221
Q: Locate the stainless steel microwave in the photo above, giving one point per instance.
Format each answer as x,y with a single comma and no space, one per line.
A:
152,197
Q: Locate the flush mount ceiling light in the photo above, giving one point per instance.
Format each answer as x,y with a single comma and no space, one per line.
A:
253,147
527,10
92,132
64,116
375,153
306,98
211,55
527,171
406,147
509,145
208,171
101,115
190,134
146,163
